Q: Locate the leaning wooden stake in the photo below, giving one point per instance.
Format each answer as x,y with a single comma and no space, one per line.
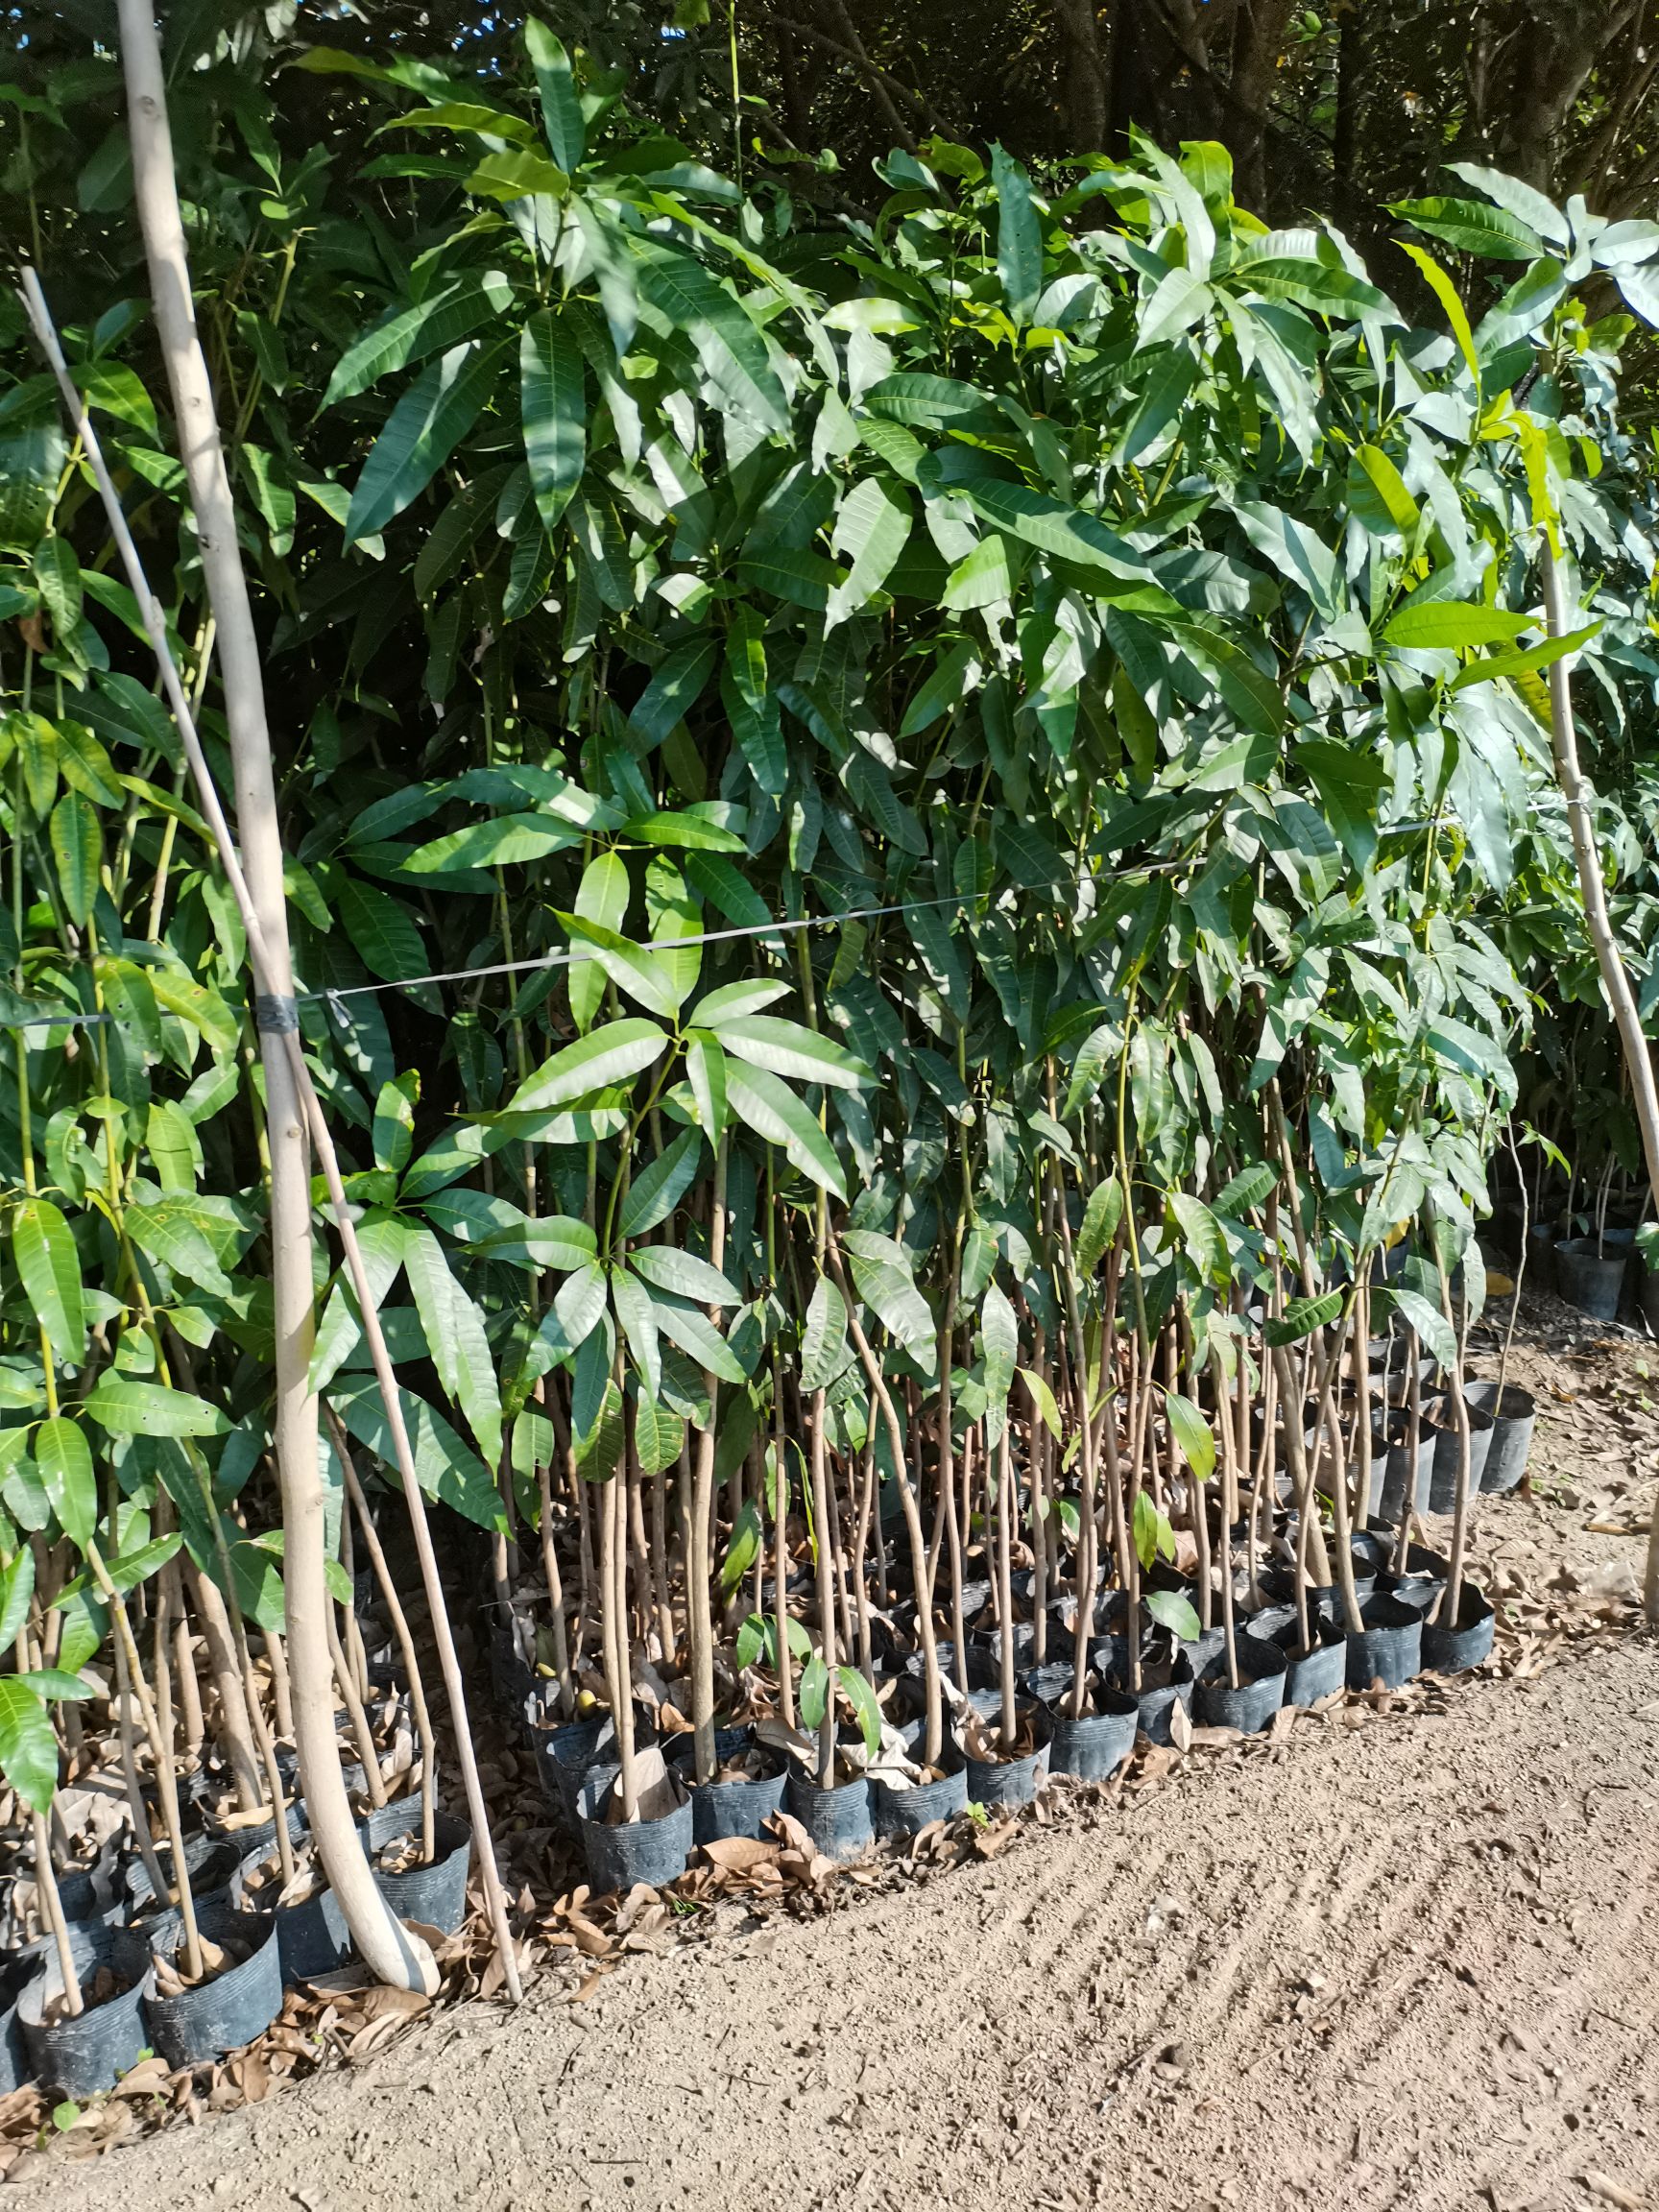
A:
1581,824
392,1953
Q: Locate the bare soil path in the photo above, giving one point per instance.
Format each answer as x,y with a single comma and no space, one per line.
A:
1403,1959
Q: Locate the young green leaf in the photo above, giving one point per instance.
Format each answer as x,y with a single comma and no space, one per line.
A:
610,1055
65,1462
773,1111
49,1269
1192,1434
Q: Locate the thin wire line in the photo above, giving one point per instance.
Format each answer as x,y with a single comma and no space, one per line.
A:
583,954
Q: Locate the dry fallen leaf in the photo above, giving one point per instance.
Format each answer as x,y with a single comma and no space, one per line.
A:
737,1854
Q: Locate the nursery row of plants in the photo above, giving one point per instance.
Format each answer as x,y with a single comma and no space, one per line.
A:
919,858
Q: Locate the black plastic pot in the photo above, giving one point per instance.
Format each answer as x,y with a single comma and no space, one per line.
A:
1541,1242
563,1754
1155,1702
840,1821
436,1893
1094,1744
1443,1480
15,2065
1051,1682
1260,1690
1014,1781
1591,1278
210,1861
1451,1650
1398,1481
260,1836
91,2051
1389,1648
1513,1422
653,1851
233,2008
312,1937
1309,1675
721,1808
903,1811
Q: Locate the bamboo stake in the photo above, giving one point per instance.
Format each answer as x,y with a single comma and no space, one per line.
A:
1627,1015
290,1105
401,1630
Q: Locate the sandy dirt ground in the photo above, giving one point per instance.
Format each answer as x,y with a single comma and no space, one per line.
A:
1400,1957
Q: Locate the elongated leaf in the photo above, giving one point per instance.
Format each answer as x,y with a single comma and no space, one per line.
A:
1042,1402
49,1269
638,1315
1192,1434
410,334
602,896
696,1335
656,1191
446,1468
823,1342
17,1588
423,429
1176,1613
1302,1316
77,849
1019,235
1100,1219
1451,622
633,970
613,1054
126,1408
727,343
1000,1337
773,1111
456,1338
556,85
682,1274
787,1049
870,528
64,1462
658,1436
552,404
28,1746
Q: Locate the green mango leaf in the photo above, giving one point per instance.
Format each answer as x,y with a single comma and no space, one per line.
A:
1019,235
471,302
17,1588
682,1274
1171,1611
1042,1402
423,429
78,850
28,1746
65,1462
49,1269
740,1553
1102,1216
1302,1316
125,1407
798,1054
772,1110
610,1055
553,410
1450,622
555,86
1192,1434
656,1191
824,1339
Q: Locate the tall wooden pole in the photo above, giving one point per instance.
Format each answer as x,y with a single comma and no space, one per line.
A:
1626,1014
375,1930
